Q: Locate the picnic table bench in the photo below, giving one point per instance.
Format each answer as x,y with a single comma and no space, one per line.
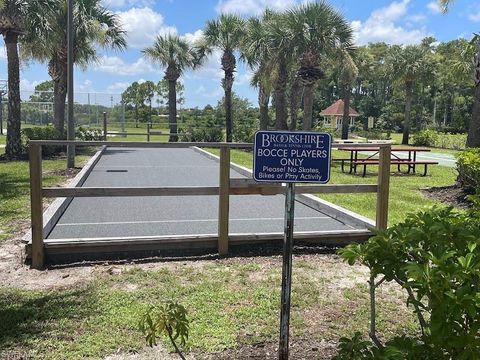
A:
411,161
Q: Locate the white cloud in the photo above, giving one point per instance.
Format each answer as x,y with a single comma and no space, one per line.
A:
85,86
210,70
192,38
118,87
474,14
382,25
434,7
143,25
116,66
119,4
251,7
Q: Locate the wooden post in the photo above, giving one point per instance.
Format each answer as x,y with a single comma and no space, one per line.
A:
105,126
224,201
148,132
383,187
38,250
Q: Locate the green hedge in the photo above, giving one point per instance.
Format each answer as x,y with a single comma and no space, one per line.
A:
468,166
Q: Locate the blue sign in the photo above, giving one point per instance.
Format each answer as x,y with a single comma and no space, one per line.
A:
290,157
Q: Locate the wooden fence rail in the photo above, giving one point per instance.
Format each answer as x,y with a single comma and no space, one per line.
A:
226,187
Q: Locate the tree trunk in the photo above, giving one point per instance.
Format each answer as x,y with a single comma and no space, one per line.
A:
308,107
13,146
346,111
408,108
473,139
59,104
228,106
263,100
280,98
58,72
295,97
172,110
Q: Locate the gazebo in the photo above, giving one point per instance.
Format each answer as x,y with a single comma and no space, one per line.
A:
333,115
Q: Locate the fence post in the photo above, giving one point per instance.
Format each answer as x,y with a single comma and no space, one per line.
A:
105,130
224,201
38,250
383,187
148,131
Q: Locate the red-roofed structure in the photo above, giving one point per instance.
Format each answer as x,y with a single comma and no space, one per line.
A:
333,115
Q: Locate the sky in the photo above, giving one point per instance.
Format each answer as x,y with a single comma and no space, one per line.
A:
395,22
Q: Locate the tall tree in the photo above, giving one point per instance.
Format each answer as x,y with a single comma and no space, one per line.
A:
349,73
226,34
94,27
319,31
176,55
407,64
18,19
473,138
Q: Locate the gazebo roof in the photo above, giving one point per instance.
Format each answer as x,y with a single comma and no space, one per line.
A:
336,109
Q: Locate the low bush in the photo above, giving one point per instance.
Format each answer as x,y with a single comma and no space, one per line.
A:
425,138
468,167
42,133
207,131
86,134
435,257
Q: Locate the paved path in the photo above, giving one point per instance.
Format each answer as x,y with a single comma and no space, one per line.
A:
443,159
189,215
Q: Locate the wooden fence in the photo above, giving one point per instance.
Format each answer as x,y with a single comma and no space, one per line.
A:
226,187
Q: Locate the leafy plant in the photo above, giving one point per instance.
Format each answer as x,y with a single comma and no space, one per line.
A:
425,138
43,133
468,167
435,257
168,319
85,134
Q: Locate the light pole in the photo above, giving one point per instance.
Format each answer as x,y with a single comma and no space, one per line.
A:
70,119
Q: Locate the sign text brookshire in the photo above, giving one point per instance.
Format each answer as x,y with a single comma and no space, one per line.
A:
292,157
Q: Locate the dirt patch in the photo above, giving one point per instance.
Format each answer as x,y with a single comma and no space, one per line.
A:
300,349
449,195
67,173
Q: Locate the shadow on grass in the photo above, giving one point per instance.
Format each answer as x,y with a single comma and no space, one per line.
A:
27,317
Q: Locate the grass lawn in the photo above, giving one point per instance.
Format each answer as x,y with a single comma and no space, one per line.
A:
230,302
15,191
405,196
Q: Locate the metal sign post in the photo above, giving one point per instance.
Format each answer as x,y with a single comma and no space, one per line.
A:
287,272
290,157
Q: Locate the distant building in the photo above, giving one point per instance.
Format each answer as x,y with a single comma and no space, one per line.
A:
333,115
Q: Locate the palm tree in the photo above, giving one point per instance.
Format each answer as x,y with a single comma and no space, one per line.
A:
473,138
407,64
348,75
176,55
94,27
255,52
319,31
17,18
226,34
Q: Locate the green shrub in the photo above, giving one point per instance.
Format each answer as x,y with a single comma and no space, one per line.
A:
435,257
43,133
85,134
468,167
425,138
206,131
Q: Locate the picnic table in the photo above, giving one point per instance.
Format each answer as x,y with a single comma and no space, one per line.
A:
396,159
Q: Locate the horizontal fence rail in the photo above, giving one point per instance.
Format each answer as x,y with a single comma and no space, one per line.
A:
226,187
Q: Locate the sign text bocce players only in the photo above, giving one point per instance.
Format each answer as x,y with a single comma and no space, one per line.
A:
290,157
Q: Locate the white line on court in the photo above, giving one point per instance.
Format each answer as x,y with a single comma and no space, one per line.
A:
186,221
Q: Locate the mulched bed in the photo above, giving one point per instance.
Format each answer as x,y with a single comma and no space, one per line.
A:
449,195
300,349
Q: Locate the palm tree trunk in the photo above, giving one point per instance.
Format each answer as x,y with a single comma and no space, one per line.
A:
408,108
295,97
473,139
58,72
13,146
172,110
228,105
308,106
280,98
263,100
346,111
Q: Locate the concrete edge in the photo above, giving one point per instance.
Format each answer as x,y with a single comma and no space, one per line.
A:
56,209
337,212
